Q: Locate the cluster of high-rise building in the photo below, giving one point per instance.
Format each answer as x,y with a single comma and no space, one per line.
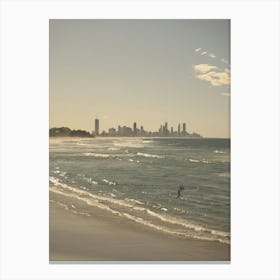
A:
134,131
163,130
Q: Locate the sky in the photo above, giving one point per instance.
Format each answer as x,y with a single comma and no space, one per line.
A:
144,71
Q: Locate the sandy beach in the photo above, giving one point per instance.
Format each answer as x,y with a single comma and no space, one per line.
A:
102,236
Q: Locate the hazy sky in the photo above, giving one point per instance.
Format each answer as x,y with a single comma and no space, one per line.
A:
148,71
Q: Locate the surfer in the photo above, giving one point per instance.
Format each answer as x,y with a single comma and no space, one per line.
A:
179,191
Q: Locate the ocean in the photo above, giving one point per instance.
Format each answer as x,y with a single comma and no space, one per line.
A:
138,179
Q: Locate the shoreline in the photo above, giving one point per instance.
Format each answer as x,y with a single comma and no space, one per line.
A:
103,236
139,137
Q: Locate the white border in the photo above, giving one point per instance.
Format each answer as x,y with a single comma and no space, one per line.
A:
254,131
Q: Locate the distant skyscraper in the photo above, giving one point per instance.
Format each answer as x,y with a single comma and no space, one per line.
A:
134,128
171,129
179,128
166,128
184,128
96,126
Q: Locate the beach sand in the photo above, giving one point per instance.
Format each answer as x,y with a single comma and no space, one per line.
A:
106,237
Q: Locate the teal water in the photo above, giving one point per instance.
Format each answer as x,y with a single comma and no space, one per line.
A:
138,179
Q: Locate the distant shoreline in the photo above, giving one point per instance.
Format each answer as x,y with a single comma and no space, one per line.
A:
142,137
122,132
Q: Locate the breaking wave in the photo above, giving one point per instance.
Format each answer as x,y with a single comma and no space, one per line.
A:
129,144
149,155
199,161
109,182
98,155
136,211
219,152
113,149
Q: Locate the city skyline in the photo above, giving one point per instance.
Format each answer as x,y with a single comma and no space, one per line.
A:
143,71
124,131
139,130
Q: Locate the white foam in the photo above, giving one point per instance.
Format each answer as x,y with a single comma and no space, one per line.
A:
62,174
168,231
179,210
109,182
220,233
91,181
201,161
219,152
193,160
222,161
225,174
80,213
97,155
129,144
54,180
113,149
180,222
134,200
81,144
99,201
149,155
133,160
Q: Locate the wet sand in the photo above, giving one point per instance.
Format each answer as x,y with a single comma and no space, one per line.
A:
106,237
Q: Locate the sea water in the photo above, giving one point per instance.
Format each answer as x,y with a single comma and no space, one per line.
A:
138,179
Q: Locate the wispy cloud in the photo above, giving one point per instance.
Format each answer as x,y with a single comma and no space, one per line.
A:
215,78
205,53
204,68
212,74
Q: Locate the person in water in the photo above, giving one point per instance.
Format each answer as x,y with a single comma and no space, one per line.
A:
179,191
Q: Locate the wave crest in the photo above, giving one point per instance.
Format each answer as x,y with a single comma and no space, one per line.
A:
98,155
148,155
136,211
